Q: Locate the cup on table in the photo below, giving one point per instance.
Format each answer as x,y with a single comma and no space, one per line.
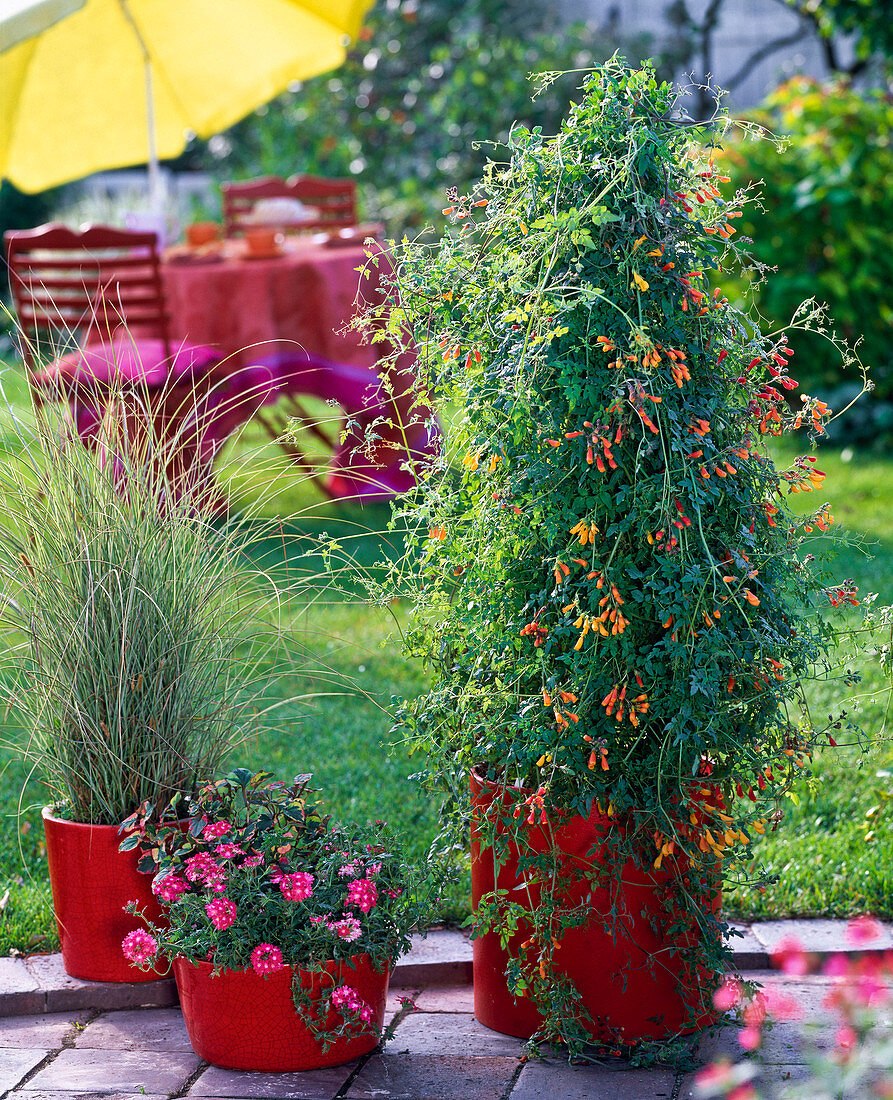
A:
201,233
263,242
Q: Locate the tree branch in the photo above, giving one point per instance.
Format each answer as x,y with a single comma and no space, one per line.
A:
761,54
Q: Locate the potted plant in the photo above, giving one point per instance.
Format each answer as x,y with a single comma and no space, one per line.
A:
282,926
130,666
609,587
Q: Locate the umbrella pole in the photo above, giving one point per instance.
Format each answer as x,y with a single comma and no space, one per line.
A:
156,195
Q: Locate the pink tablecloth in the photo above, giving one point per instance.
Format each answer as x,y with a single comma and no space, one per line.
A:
281,326
248,308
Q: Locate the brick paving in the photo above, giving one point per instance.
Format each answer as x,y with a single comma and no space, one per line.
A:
108,1048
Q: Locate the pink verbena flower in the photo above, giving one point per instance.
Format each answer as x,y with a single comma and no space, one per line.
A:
348,1000
252,861
350,870
266,959
215,829
169,887
363,893
202,867
228,851
139,946
348,928
222,912
297,886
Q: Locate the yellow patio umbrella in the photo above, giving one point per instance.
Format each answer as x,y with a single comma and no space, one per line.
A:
123,82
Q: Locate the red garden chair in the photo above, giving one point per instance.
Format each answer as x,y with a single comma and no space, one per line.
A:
332,203
94,333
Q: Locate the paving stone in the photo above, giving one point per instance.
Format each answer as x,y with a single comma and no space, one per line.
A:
451,1034
558,1079
394,1004
442,957
446,998
823,937
64,993
783,1041
45,1030
319,1084
748,952
27,1094
136,1029
15,1063
20,993
431,1077
133,1071
767,1080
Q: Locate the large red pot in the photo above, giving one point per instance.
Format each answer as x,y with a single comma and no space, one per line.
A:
92,882
633,982
239,1020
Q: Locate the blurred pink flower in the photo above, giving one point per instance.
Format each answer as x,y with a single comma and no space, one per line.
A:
863,930
788,955
750,1038
728,995
781,1005
836,967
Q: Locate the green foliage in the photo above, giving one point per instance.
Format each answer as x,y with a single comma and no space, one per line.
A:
21,211
611,593
868,21
824,219
258,868
425,82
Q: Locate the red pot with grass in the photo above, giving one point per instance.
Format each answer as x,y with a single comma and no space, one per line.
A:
631,972
243,1020
92,882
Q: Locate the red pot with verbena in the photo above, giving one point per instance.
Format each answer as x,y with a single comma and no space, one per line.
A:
283,926
611,594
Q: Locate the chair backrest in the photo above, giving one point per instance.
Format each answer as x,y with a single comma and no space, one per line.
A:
333,202
75,287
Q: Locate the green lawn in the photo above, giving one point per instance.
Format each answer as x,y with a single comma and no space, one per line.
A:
342,664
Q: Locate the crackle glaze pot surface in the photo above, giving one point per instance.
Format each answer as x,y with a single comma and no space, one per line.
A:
631,984
92,882
239,1020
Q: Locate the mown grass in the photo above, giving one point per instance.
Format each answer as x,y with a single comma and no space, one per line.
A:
333,683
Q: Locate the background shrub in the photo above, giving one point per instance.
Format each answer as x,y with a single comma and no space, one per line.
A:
825,219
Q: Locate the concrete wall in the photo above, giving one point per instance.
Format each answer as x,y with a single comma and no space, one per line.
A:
744,27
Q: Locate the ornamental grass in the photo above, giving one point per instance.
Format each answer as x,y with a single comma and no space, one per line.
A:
137,625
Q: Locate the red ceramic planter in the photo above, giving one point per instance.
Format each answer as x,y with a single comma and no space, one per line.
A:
634,985
238,1020
92,882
